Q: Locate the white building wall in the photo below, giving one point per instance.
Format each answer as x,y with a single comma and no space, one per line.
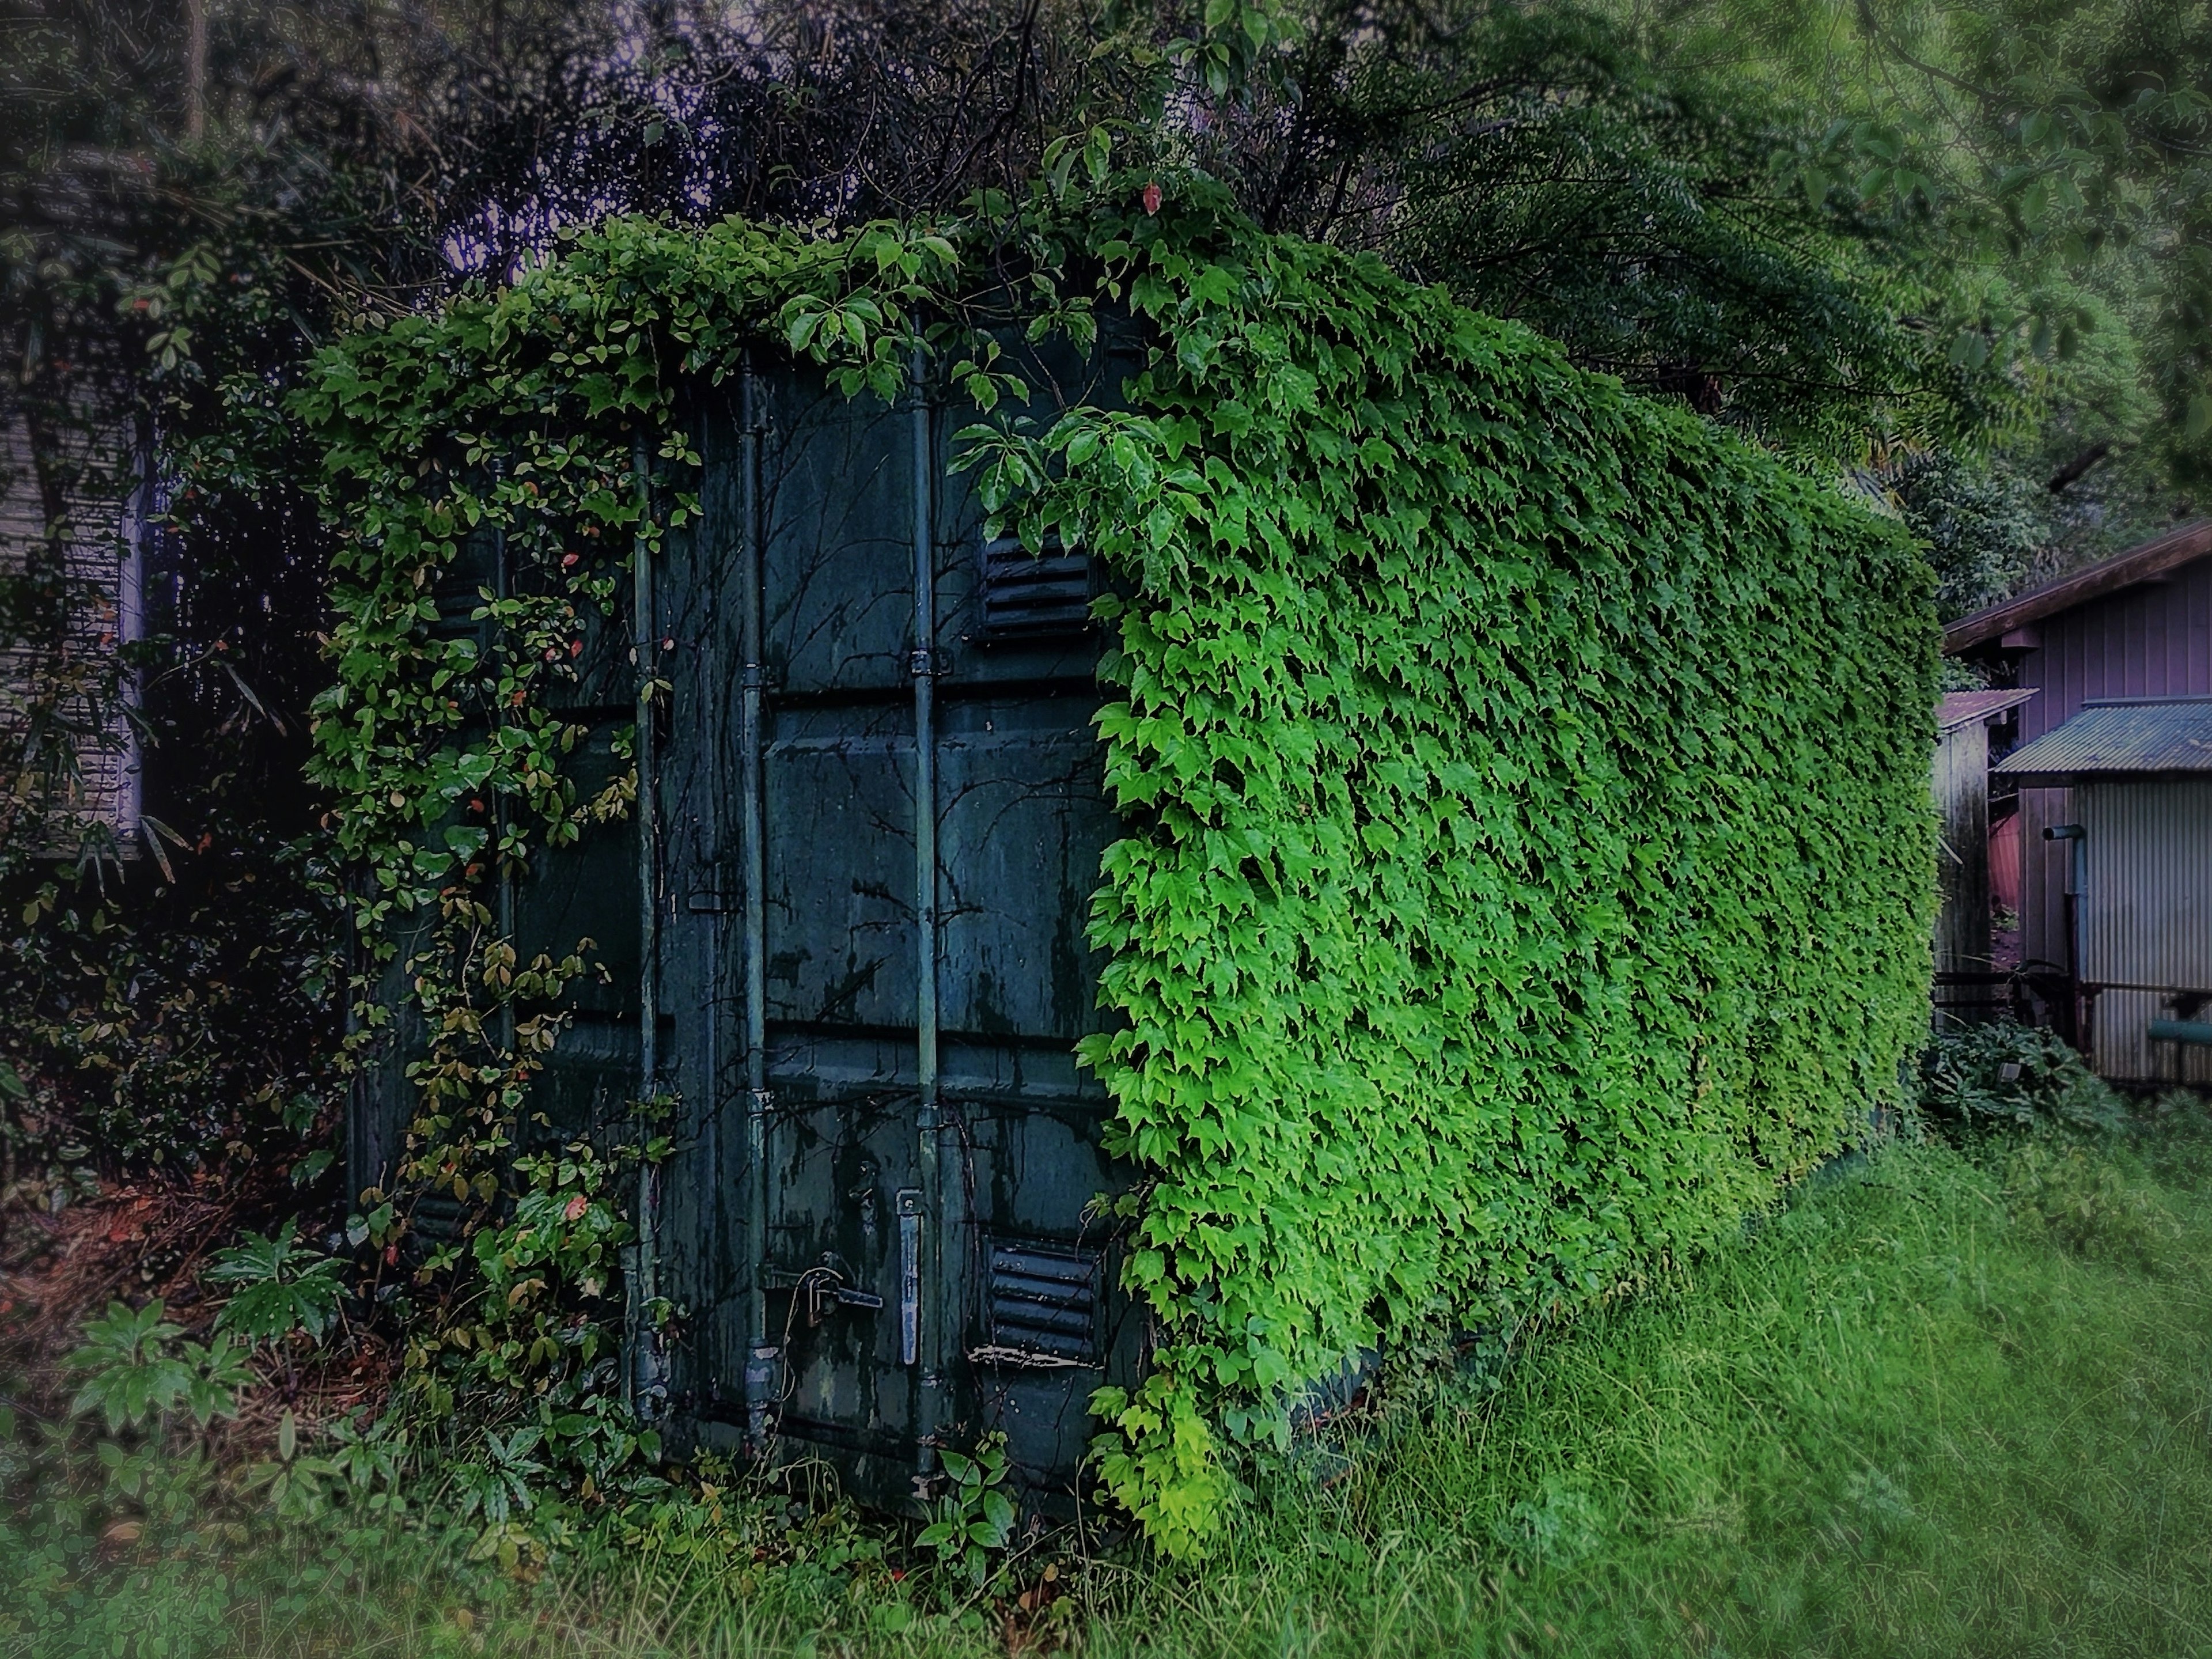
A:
101,555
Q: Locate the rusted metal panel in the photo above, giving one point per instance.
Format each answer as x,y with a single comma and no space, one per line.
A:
2147,923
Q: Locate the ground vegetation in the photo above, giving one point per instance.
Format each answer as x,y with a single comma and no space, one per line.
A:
1947,1400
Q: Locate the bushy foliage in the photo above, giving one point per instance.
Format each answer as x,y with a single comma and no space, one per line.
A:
1531,844
122,1534
1983,524
2001,1074
2020,1098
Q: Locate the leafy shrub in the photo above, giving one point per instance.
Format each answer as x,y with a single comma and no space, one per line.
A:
974,1519
2006,1075
136,1373
2086,1202
283,1286
1159,1459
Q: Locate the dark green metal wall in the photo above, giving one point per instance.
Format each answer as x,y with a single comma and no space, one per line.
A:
875,828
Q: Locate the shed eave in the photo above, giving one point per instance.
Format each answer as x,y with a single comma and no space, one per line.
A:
2074,777
1957,710
2146,562
2120,738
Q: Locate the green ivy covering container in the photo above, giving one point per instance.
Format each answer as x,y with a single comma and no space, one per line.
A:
1528,859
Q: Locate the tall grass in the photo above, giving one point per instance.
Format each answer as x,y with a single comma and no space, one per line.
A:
1940,1405
1915,1414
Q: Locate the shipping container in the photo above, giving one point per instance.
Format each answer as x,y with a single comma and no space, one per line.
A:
846,937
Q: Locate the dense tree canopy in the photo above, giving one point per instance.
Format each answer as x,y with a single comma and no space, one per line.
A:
2057,153
1962,254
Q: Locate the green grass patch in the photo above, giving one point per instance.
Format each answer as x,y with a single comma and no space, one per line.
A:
1941,1404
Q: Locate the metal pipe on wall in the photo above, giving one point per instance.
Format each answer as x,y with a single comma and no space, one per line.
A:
645,1376
2077,881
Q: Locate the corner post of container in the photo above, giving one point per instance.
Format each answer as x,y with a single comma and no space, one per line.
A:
762,1356
644,1374
923,1316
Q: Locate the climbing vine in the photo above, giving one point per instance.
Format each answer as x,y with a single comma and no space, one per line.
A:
1531,856
1528,859
544,415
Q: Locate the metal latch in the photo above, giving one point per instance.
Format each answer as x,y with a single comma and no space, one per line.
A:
823,1286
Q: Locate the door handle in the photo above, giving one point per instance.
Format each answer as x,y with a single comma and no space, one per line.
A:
824,1286
909,1221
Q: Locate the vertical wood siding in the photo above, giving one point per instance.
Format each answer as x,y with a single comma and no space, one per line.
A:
1962,783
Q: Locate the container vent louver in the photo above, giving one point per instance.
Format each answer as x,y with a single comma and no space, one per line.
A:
1043,1305
1034,595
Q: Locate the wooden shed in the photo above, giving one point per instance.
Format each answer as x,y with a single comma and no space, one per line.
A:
1967,976
2136,626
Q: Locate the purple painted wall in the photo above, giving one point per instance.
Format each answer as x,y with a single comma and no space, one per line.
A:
2151,641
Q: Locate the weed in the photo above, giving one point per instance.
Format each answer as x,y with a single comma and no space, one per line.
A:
971,1523
282,1287
134,1372
2003,1075
2085,1202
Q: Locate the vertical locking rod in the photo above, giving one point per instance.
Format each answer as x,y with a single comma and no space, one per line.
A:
645,1290
927,1319
752,853
910,1230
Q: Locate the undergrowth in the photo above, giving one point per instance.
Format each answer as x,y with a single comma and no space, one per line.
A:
1954,1399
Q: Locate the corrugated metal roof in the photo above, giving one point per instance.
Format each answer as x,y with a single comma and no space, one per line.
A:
2126,737
1959,708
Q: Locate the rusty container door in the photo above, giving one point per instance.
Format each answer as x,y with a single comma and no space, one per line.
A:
885,808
